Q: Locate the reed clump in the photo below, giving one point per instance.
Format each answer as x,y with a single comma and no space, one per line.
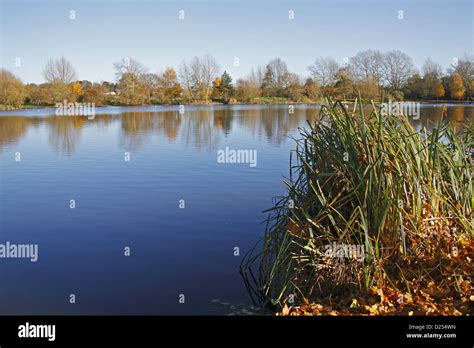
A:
377,219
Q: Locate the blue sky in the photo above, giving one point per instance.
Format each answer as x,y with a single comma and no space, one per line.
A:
104,31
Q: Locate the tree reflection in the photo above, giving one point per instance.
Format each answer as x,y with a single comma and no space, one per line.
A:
136,129
275,123
12,128
200,128
169,122
64,133
223,119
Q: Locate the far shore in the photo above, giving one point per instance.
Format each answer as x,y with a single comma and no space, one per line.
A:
283,102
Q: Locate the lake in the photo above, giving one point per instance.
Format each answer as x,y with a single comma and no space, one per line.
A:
132,209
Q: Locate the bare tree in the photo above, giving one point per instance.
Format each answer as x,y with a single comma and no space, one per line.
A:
431,69
280,73
129,66
197,76
366,66
209,70
324,70
256,76
59,70
397,69
185,79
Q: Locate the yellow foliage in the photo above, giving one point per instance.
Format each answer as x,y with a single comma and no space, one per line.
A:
76,88
457,87
439,90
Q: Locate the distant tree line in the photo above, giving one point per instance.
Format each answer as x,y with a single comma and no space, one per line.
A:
371,73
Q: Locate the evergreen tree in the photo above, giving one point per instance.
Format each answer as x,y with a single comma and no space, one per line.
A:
267,83
227,89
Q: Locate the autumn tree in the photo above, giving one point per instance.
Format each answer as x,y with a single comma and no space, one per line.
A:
456,87
169,82
132,83
343,86
432,73
248,89
294,88
31,92
440,92
108,87
465,69
216,93
94,94
166,88
414,87
39,94
76,90
60,92
311,90
222,88
368,88
12,90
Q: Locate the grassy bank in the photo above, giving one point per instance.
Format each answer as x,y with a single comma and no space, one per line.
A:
370,183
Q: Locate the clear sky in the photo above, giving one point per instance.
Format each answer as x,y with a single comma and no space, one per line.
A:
104,31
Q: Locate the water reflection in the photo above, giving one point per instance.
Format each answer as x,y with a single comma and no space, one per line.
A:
136,129
223,120
202,128
199,130
65,133
459,116
12,128
274,123
169,122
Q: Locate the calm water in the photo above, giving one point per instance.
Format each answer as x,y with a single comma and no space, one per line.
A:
135,204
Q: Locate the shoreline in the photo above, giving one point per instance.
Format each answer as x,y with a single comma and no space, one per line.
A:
43,107
52,106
